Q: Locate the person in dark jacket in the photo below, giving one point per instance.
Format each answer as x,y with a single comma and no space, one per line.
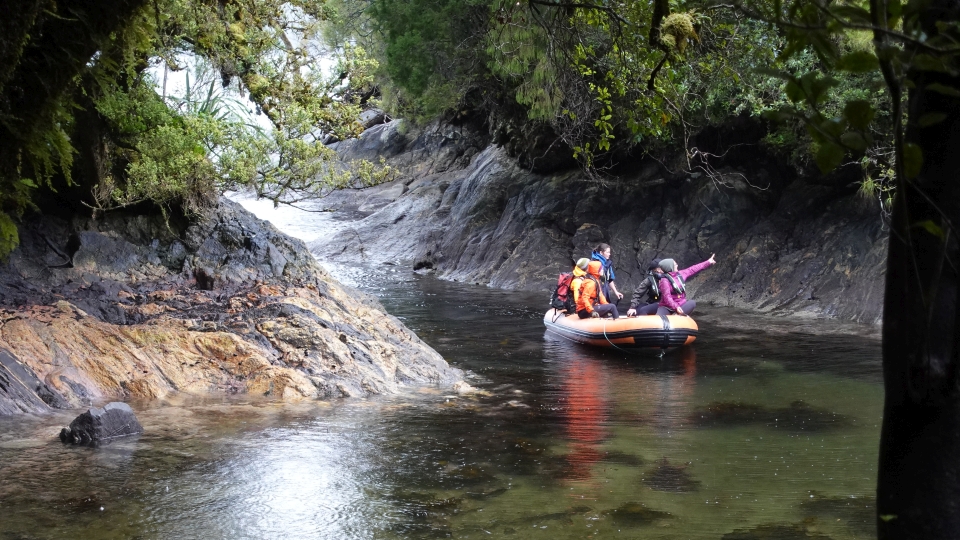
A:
607,277
646,297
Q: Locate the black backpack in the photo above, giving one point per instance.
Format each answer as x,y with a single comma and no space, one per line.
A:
562,298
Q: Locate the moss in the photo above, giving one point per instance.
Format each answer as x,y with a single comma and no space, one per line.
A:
9,240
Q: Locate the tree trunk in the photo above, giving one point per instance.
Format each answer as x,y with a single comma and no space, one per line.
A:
918,489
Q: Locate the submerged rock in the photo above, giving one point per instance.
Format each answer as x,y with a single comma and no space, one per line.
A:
636,513
112,421
671,478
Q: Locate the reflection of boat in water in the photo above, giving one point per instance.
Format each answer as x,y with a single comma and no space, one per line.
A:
643,332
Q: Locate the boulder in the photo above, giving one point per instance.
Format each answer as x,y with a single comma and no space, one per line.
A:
372,117
114,420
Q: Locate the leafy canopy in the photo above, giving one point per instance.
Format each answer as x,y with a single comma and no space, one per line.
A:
179,152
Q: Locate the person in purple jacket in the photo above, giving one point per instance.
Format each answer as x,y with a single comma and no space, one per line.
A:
673,291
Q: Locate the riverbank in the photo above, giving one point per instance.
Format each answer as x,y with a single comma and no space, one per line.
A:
133,307
798,245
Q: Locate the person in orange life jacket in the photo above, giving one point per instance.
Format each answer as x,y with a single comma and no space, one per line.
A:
646,297
592,302
579,271
602,254
673,291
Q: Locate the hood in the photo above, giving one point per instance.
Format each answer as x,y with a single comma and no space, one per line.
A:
578,272
594,268
668,265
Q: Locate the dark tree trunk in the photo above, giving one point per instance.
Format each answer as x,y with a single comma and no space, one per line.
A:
918,490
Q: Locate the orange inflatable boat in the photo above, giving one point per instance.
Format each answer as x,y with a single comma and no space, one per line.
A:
643,332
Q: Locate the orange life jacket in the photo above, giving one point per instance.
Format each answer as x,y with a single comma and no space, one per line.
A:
590,292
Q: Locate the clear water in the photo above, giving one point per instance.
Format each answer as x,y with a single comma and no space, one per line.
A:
761,429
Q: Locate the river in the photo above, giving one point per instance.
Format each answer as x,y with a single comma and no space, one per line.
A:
764,428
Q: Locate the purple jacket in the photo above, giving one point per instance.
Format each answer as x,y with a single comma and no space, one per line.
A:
672,300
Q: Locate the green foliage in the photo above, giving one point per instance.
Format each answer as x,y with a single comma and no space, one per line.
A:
181,151
592,73
166,154
605,82
431,52
8,235
852,100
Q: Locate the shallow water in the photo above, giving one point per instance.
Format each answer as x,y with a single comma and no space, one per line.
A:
746,434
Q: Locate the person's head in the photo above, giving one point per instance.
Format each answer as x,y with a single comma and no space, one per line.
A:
668,265
594,268
582,263
604,249
654,266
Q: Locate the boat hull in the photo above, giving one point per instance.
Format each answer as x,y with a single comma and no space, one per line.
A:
644,332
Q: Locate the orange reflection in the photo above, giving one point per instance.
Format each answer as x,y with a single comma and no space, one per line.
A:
585,414
592,386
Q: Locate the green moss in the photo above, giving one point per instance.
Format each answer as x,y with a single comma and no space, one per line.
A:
9,240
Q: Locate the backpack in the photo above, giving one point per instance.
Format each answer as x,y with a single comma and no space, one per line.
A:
562,297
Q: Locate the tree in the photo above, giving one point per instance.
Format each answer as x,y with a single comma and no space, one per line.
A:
83,124
916,47
919,479
44,50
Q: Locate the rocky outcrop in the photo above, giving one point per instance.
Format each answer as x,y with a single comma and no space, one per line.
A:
463,208
97,425
131,306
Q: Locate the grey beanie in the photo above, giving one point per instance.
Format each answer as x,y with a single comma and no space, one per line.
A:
582,264
668,265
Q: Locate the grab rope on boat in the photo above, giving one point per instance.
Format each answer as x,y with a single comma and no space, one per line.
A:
612,344
663,351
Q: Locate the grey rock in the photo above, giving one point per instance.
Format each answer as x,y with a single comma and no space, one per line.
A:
785,243
226,272
21,390
114,420
372,117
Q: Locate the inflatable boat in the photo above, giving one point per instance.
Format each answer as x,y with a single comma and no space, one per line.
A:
643,332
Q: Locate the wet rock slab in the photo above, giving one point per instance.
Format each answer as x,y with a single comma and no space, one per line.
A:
465,209
97,425
133,306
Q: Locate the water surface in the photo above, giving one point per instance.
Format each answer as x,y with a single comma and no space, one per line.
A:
756,431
